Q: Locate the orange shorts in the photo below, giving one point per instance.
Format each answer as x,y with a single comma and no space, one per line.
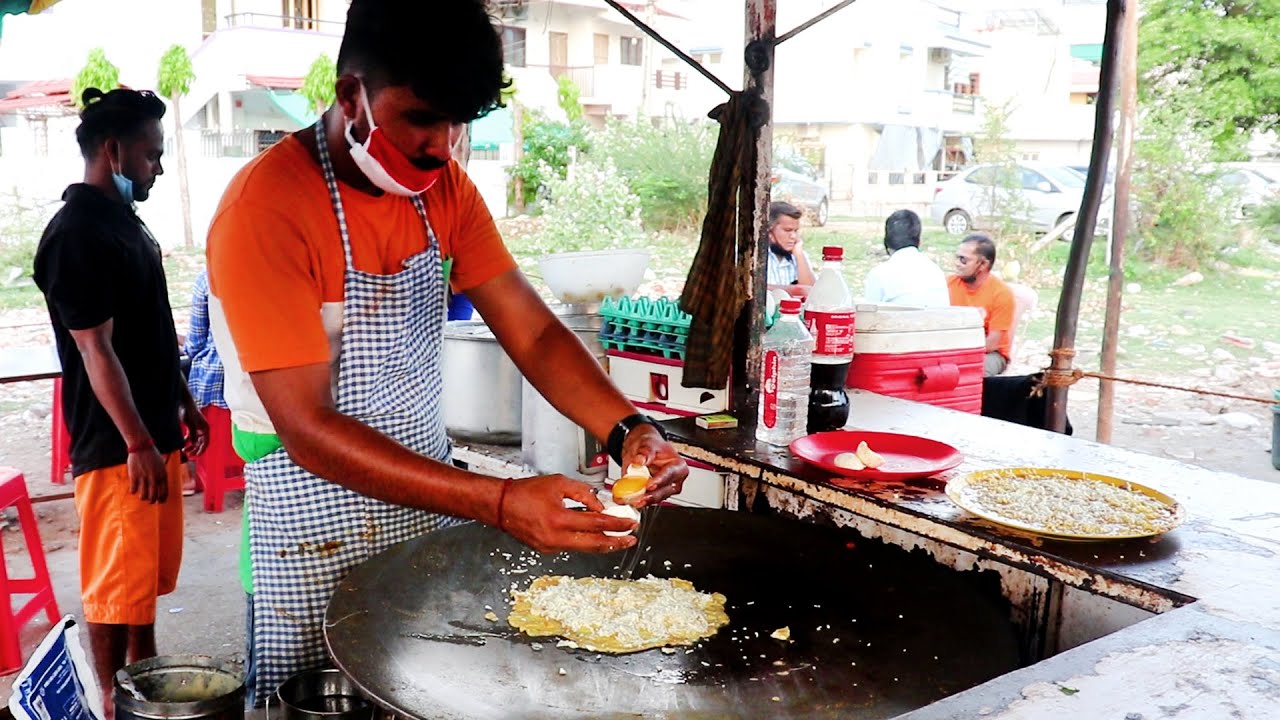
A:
130,550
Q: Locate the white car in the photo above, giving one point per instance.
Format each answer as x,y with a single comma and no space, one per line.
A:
1049,195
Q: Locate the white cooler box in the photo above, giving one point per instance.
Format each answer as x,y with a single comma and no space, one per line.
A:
656,381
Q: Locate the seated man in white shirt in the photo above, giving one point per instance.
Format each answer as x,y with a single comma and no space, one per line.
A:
908,277
789,269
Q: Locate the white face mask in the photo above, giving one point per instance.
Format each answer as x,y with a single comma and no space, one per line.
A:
384,165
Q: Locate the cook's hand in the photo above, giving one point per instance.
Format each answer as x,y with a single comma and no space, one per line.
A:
533,512
197,430
667,470
148,478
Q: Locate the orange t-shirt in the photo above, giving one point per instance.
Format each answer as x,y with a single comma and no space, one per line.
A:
996,300
275,255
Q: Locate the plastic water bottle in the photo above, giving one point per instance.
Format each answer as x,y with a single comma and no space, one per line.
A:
829,314
784,378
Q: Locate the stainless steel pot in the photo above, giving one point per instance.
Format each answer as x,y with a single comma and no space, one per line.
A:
180,687
551,442
481,386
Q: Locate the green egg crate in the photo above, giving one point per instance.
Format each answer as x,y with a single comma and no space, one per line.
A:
651,327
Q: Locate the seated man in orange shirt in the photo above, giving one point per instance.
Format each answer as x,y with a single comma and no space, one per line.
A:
973,285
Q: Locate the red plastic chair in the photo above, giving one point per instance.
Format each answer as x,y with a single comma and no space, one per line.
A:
219,469
13,493
60,454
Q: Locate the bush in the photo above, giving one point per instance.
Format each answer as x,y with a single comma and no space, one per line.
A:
1267,220
592,208
667,167
21,223
1181,220
547,152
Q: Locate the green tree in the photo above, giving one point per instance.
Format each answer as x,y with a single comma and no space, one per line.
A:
568,96
666,167
98,72
1002,190
174,81
320,84
1220,58
548,148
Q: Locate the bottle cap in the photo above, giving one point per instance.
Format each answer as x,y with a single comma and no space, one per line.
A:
832,252
790,307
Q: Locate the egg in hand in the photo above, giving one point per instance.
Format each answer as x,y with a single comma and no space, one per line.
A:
622,511
631,486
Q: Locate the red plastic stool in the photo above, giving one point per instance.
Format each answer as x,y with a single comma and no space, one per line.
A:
219,469
61,451
13,493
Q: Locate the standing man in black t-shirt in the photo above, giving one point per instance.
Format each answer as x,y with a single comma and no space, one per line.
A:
126,404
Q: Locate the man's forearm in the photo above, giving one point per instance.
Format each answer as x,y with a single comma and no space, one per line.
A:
804,271
111,386
349,453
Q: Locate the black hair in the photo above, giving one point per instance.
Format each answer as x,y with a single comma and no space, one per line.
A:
984,245
778,209
901,230
448,52
120,114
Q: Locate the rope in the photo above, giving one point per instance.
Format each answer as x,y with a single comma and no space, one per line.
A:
1068,377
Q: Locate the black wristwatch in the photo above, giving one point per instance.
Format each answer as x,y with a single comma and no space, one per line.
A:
618,434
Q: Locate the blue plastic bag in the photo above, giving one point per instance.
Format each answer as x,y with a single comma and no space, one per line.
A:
57,682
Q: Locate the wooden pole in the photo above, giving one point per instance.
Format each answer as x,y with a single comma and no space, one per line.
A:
1120,220
1077,262
762,25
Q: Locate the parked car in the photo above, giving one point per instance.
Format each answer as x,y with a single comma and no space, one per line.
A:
803,187
1050,194
1250,187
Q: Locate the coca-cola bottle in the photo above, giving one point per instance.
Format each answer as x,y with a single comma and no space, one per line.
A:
829,314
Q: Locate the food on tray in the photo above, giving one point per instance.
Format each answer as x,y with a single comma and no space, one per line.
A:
631,486
869,457
618,616
849,461
622,511
1063,504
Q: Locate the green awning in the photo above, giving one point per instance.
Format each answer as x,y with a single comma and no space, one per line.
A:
492,130
1090,52
298,108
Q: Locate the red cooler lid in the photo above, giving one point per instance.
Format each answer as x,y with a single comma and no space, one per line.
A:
832,252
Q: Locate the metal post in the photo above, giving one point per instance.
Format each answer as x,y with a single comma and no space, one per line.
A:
762,22
1120,220
1077,262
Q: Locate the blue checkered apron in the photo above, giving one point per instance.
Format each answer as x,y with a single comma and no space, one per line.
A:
307,533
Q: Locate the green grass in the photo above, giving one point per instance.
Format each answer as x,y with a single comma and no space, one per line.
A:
181,265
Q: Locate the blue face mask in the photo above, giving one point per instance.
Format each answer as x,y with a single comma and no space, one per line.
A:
124,186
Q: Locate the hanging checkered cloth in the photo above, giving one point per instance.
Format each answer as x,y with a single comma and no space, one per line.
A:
719,280
306,533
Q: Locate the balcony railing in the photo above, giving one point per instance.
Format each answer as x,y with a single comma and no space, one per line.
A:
291,22
967,104
583,76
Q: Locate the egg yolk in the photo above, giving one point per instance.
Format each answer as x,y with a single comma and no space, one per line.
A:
629,488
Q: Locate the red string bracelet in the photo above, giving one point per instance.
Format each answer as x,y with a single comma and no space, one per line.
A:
506,485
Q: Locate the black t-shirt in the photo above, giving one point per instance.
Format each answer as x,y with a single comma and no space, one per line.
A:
97,262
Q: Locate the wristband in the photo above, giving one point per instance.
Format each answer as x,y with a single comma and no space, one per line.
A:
143,445
502,497
618,435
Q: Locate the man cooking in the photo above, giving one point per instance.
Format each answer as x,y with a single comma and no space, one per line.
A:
329,259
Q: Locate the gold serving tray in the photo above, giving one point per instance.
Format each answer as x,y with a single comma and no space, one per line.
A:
956,492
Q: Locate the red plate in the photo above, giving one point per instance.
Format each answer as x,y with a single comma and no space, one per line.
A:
905,456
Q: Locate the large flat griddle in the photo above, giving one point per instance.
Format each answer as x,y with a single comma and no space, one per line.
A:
876,631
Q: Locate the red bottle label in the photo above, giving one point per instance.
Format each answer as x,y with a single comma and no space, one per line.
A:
769,389
832,332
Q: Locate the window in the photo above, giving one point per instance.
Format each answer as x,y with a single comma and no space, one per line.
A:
632,51
208,16
300,14
513,46
982,176
1031,180
601,49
